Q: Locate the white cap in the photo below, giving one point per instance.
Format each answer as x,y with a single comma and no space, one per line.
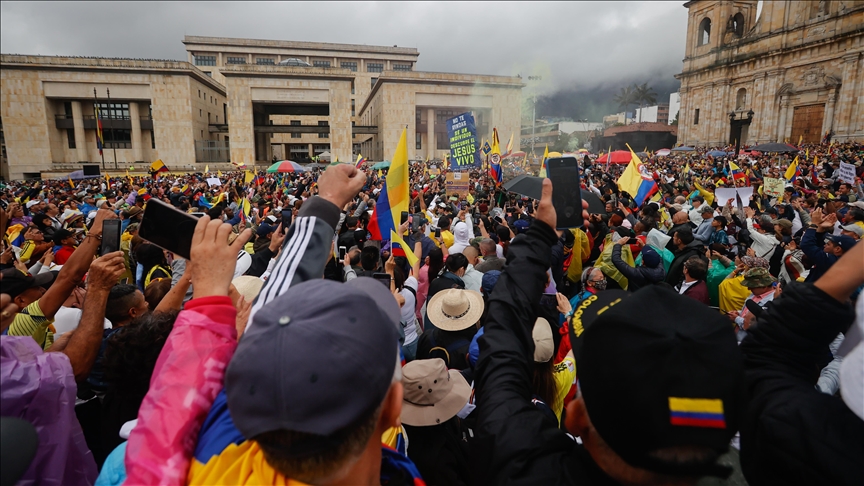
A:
30,204
544,345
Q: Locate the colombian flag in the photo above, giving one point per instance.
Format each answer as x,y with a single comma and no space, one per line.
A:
737,173
100,140
394,195
360,161
793,171
636,180
157,167
697,412
495,159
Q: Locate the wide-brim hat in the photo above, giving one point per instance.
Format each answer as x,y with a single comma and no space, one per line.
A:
455,309
432,393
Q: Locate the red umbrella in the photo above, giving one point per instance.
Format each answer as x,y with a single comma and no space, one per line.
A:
618,157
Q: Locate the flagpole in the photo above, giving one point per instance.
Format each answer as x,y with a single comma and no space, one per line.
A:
110,117
96,114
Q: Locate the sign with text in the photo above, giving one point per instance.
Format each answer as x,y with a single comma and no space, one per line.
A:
457,183
773,187
846,173
464,148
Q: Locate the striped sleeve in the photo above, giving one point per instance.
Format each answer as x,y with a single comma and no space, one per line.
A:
27,251
31,322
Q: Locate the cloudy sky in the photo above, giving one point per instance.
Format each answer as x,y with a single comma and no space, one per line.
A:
575,46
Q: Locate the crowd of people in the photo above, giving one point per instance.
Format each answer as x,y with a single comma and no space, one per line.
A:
663,342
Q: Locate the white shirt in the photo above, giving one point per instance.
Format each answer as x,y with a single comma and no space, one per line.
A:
686,285
67,319
409,318
473,279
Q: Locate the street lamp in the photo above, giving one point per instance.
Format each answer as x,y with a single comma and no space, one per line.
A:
534,116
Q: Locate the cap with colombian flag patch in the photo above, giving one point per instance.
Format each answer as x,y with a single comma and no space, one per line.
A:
658,370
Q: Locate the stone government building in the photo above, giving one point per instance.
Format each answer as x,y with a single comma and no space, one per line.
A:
241,101
794,70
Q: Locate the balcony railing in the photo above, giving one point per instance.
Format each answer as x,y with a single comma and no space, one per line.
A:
65,122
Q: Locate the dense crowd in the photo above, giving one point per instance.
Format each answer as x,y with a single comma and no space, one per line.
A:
662,342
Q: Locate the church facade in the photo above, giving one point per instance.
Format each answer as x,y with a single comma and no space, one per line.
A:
772,71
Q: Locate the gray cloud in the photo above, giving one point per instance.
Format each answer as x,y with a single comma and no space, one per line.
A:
573,45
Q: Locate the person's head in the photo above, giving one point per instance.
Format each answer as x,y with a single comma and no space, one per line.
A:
52,210
456,263
472,254
131,354
854,231
444,223
354,256
837,245
680,217
679,386
695,268
844,189
487,247
351,222
719,223
125,302
41,220
34,233
610,206
64,237
149,255
682,237
593,278
543,380
370,258
697,202
432,393
650,257
308,428
854,214
25,289
706,211
455,309
156,291
758,280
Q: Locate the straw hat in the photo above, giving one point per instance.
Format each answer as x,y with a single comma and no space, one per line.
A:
455,309
248,286
433,395
544,346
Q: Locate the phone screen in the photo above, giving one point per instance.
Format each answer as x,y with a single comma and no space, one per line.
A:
384,278
437,232
167,227
341,252
110,236
549,300
566,193
403,218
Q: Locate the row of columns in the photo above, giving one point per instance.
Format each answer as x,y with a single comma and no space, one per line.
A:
81,139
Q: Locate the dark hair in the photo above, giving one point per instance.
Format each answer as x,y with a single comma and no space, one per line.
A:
685,234
543,382
456,261
696,267
369,258
444,223
216,211
121,298
503,233
436,263
398,275
149,256
355,258
39,220
131,353
722,220
350,221
156,291
857,214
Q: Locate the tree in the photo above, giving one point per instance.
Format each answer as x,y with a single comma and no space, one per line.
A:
675,121
625,98
643,96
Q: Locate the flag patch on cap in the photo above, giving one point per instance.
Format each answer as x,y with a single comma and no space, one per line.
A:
697,412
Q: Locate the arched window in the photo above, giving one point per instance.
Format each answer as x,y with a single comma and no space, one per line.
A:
738,24
741,99
704,31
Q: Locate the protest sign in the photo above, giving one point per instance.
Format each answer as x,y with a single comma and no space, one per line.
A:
457,183
773,187
724,194
846,173
464,148
214,181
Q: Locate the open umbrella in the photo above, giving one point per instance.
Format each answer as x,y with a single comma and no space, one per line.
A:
663,152
286,166
77,175
325,155
618,157
684,149
716,153
381,165
780,148
532,187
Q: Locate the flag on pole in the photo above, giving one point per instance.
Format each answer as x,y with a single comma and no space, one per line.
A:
249,177
361,161
510,145
207,169
814,172
495,159
397,240
737,173
793,171
157,167
394,195
543,164
800,139
100,140
219,174
486,147
686,169
636,180
71,184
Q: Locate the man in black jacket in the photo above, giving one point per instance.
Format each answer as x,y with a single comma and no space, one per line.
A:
792,433
686,246
650,272
659,377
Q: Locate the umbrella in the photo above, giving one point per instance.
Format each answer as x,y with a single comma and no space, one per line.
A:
774,147
716,153
516,155
77,175
286,166
381,165
663,152
325,155
641,155
618,157
532,187
683,149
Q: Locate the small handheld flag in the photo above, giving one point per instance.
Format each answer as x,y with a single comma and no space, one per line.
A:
360,161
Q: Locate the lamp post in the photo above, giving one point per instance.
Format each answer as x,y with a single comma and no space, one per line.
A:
736,125
534,116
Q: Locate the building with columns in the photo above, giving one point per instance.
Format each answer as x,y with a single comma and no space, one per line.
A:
772,71
240,101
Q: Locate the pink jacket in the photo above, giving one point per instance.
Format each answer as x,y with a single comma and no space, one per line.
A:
186,380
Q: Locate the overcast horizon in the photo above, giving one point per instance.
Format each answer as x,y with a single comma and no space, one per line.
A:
577,47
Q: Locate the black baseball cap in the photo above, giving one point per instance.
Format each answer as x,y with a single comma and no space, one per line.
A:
658,370
315,360
15,282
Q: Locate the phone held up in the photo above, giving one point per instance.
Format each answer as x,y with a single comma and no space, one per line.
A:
566,191
167,227
110,236
382,277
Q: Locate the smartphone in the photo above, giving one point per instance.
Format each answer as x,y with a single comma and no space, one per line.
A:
341,252
549,300
437,232
403,218
110,236
197,215
167,227
632,241
384,278
566,191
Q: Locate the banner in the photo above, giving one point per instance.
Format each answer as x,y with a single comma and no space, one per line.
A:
464,148
846,173
774,187
457,183
724,194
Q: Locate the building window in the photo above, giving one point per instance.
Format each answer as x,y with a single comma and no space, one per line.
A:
199,93
113,111
375,67
117,138
348,65
696,117
401,67
70,137
374,80
265,61
67,108
296,123
352,108
152,139
417,142
741,99
205,60
200,112
321,64
236,60
323,124
737,25
704,32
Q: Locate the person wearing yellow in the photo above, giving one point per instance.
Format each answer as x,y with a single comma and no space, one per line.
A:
552,381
